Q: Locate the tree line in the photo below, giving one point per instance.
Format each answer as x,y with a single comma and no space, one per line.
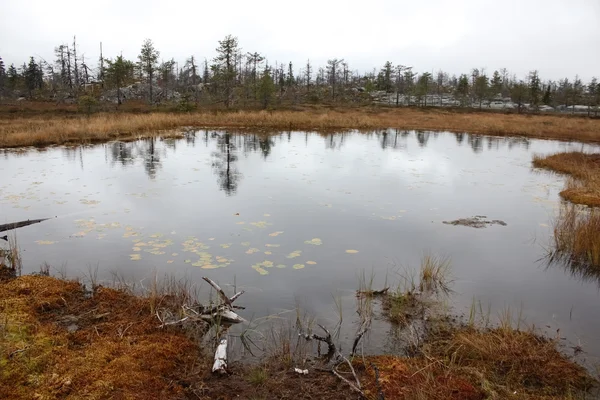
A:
247,79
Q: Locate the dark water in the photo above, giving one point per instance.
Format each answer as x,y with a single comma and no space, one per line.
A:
215,204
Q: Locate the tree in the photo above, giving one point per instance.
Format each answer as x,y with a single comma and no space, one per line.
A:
166,75
422,88
496,84
290,75
148,62
462,89
33,76
225,66
385,77
547,99
267,87
308,73
535,89
518,94
118,73
481,88
2,76
254,60
332,74
12,77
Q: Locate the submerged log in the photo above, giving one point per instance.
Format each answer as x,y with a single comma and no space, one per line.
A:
20,224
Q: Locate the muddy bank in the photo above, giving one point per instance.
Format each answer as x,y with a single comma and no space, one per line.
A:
61,340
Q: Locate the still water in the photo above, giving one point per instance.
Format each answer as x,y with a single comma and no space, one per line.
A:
295,218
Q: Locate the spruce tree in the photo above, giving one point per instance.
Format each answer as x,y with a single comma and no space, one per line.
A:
148,62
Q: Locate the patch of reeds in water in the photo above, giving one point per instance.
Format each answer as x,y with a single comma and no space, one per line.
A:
583,168
577,240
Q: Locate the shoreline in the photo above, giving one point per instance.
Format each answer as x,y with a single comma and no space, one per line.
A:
62,339
48,128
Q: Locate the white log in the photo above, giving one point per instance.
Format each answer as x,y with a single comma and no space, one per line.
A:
220,291
220,364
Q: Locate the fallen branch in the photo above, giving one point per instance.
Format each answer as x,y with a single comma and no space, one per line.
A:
20,224
380,395
220,291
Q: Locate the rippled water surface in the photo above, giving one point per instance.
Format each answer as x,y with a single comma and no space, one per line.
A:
295,218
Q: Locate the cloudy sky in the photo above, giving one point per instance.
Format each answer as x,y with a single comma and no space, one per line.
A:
557,37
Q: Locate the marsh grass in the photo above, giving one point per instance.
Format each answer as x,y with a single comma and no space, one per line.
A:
576,239
43,130
10,257
584,169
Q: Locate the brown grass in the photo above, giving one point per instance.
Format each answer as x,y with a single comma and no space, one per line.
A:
577,239
118,352
584,168
46,128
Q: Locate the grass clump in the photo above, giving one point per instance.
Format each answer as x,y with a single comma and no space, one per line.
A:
577,238
584,168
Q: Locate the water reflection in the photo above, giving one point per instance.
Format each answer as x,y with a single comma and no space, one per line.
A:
224,162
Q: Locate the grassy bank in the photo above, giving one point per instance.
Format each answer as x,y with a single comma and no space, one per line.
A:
57,341
48,128
584,168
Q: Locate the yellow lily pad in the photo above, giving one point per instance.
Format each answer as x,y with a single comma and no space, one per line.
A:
298,266
268,253
45,242
260,270
351,251
294,254
252,250
315,241
311,263
276,233
135,257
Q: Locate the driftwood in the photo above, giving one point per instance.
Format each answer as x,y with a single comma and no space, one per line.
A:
220,364
20,224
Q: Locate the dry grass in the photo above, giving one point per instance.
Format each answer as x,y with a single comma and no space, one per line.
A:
45,129
577,238
57,341
584,168
117,351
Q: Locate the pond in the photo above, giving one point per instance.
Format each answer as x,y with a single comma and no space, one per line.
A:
296,218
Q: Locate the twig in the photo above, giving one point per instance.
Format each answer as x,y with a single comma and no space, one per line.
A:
352,386
364,329
222,294
380,395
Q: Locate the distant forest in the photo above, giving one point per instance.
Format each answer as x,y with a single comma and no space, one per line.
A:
234,78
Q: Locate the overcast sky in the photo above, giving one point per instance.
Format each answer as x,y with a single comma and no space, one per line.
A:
557,37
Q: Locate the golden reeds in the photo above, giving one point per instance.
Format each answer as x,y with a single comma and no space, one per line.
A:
45,129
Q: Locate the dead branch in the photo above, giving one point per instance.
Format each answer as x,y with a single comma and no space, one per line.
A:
222,294
20,224
380,395
364,328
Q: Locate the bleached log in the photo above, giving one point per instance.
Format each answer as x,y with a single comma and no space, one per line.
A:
223,314
220,364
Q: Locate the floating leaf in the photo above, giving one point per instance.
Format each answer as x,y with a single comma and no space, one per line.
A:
276,233
272,245
221,259
45,242
280,266
245,244
351,251
156,235
225,245
298,266
266,264
260,270
188,261
260,224
252,250
211,238
169,261
240,223
209,266
89,202
315,241
268,253
136,248
174,254
392,218
311,263
135,257
294,254
266,215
